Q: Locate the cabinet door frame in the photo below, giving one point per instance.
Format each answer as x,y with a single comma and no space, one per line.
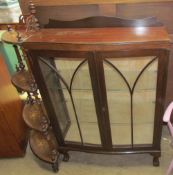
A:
33,59
162,56
99,89
95,63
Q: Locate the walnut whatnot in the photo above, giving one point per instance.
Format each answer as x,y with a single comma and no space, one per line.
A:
34,113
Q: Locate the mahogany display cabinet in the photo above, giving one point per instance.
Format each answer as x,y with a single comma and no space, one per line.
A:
103,89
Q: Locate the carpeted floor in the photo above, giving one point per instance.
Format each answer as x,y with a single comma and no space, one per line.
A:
92,164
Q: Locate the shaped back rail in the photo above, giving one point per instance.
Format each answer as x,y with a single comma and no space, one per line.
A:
103,21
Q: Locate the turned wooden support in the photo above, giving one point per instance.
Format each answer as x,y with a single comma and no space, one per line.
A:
32,23
32,8
20,60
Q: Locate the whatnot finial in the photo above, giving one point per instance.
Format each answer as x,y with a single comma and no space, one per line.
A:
32,8
19,37
9,28
32,23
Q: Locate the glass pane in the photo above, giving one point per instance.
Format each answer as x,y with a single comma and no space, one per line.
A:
130,67
73,132
144,105
118,97
120,76
82,95
55,94
121,134
143,133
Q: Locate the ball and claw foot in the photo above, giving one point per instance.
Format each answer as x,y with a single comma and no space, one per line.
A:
66,157
156,162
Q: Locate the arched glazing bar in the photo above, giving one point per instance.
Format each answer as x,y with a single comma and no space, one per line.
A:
131,90
69,88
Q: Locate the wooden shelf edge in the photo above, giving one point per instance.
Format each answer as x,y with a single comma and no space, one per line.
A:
41,147
22,80
87,2
33,114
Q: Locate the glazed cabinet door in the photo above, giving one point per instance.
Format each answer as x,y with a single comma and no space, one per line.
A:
135,90
68,93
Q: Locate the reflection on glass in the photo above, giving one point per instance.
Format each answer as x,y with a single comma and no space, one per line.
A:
55,94
144,106
128,107
118,97
76,73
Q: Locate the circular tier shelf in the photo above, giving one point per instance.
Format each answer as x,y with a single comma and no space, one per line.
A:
11,37
23,81
42,147
35,116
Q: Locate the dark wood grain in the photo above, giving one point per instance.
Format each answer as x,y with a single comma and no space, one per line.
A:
13,131
98,39
100,35
161,10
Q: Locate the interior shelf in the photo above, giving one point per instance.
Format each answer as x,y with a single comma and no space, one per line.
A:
35,116
23,81
44,146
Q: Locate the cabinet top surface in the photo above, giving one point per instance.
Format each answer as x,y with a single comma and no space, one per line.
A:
100,35
95,36
77,2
